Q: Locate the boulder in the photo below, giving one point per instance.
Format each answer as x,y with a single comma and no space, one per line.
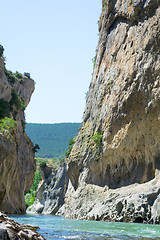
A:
11,230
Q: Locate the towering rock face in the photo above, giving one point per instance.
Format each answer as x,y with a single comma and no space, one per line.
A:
119,142
17,164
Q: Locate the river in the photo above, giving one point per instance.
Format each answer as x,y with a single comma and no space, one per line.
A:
58,228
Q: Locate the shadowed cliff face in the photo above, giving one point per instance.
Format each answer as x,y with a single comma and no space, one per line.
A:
17,164
123,103
51,192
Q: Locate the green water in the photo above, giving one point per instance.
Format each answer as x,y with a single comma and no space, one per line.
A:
58,228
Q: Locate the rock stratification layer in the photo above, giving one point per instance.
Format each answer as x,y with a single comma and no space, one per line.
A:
17,164
119,142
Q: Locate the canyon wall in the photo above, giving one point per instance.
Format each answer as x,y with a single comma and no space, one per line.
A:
51,191
17,164
115,162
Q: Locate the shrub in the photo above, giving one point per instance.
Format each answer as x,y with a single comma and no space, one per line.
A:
4,108
36,180
71,143
35,148
29,199
13,77
7,123
19,76
16,100
7,126
42,164
31,195
97,137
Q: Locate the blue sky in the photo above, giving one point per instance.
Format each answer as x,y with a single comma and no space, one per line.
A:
55,41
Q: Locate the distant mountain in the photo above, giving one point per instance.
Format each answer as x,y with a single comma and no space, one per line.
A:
52,138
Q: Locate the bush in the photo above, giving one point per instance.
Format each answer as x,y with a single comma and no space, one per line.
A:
36,148
16,100
37,179
31,195
13,77
71,143
42,164
97,137
4,108
7,126
19,76
29,199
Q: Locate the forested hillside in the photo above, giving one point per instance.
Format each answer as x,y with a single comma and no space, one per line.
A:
52,138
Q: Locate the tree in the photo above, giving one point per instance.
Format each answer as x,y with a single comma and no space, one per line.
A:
35,148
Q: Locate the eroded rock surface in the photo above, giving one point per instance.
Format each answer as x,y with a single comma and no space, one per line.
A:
17,164
51,192
11,230
139,203
119,142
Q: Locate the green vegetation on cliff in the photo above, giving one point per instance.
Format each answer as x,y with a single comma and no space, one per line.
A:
5,108
31,195
13,77
52,138
97,137
8,109
7,126
71,143
8,115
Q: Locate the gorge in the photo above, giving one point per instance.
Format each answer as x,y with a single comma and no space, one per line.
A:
114,165
113,170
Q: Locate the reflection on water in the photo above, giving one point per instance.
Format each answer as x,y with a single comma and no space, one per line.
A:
58,228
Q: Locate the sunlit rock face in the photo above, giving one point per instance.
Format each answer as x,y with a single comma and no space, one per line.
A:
119,142
17,164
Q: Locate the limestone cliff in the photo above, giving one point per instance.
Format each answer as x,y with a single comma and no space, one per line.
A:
51,192
17,164
119,142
